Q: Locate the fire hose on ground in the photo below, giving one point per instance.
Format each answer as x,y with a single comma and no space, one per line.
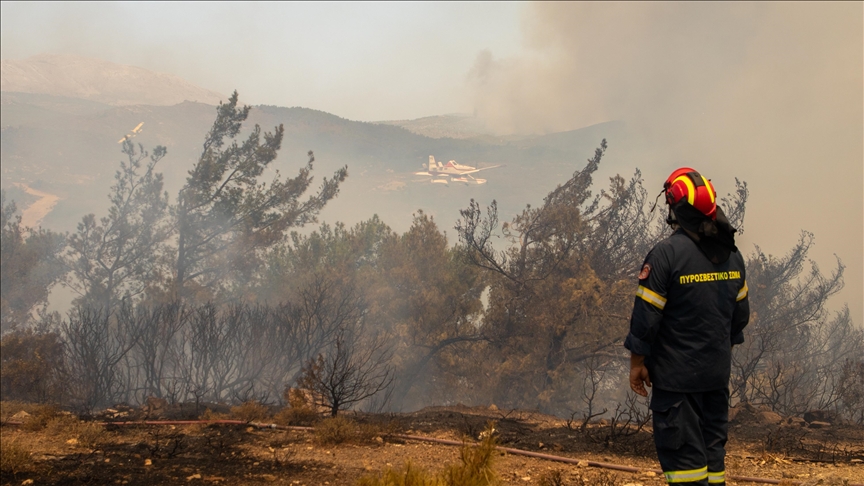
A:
508,450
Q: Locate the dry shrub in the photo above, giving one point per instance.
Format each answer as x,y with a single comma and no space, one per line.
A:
251,411
476,463
299,410
12,407
88,434
39,417
62,426
338,430
297,398
296,416
209,414
474,469
14,457
602,478
8,408
552,478
31,366
407,476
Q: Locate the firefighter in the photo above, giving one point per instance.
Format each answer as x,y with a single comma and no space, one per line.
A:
691,308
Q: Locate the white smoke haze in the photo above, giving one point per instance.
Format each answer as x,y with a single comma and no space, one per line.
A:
768,92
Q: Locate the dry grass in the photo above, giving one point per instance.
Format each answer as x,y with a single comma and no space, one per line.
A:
552,478
407,476
61,426
8,408
211,415
251,411
296,416
474,469
476,463
38,414
299,410
339,429
14,457
86,434
603,478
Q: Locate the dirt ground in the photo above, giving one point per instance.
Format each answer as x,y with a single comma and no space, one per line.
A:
791,451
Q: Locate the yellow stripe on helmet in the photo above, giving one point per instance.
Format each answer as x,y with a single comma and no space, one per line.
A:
691,189
709,187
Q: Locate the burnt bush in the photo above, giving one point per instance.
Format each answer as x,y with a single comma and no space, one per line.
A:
32,366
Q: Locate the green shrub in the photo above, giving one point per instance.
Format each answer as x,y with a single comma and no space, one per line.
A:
251,411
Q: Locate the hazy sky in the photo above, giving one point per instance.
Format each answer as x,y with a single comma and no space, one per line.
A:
363,61
767,92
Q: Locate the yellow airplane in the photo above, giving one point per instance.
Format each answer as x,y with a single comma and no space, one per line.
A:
135,131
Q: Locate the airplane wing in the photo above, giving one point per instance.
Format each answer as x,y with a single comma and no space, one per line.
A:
463,172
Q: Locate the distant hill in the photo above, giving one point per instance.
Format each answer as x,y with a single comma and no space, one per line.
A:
97,80
63,141
444,126
67,147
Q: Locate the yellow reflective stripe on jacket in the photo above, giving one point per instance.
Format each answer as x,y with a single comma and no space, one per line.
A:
716,477
691,189
686,476
742,293
651,297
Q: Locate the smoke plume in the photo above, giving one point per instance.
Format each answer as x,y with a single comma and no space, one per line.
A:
767,92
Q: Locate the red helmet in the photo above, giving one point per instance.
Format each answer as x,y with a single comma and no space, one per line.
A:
687,184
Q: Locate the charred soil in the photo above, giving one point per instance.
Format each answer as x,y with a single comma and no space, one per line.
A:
68,451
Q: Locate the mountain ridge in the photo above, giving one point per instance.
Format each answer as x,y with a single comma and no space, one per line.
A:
97,80
64,142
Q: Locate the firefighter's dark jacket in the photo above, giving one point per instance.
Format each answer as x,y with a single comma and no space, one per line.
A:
688,314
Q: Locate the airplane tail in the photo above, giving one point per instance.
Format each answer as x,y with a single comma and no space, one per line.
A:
431,162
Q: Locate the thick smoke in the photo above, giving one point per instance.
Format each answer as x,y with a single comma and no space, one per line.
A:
766,92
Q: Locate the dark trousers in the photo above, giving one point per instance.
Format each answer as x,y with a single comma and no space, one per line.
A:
690,431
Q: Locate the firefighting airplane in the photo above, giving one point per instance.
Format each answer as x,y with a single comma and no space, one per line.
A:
135,131
456,172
